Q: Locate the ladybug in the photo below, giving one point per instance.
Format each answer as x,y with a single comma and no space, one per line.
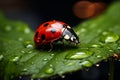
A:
53,31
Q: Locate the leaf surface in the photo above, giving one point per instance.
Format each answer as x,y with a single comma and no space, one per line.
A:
99,40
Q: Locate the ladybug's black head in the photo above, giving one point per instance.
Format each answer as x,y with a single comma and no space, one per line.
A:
70,35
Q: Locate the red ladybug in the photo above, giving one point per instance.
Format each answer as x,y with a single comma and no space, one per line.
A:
53,31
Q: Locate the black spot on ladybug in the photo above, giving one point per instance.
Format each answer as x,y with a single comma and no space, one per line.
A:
43,37
36,34
46,24
53,30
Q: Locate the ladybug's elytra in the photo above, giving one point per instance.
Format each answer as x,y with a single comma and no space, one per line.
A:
52,31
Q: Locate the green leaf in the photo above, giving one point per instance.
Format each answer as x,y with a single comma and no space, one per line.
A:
18,56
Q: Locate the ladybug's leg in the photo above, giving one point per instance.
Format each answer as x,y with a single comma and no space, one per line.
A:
63,43
51,47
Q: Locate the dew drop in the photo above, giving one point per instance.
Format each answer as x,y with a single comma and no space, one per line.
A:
79,55
20,39
71,63
52,54
118,47
20,77
111,50
1,57
51,65
97,65
31,79
63,76
86,64
95,45
25,70
8,28
45,59
15,59
26,30
22,51
49,70
29,51
28,44
108,37
98,56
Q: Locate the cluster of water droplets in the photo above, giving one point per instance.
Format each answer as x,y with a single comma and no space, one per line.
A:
25,29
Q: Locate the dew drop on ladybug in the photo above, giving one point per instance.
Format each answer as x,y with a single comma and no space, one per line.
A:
52,31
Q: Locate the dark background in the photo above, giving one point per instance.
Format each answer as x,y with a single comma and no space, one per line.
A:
35,12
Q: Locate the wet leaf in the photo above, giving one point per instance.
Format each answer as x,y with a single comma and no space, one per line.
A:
100,39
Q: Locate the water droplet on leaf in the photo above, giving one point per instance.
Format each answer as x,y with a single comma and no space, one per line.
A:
86,64
63,76
22,51
71,63
20,39
8,28
28,44
27,30
51,65
111,50
15,58
1,57
29,51
79,55
97,65
99,56
49,70
45,59
52,54
118,47
108,37
25,69
31,79
95,45
20,77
